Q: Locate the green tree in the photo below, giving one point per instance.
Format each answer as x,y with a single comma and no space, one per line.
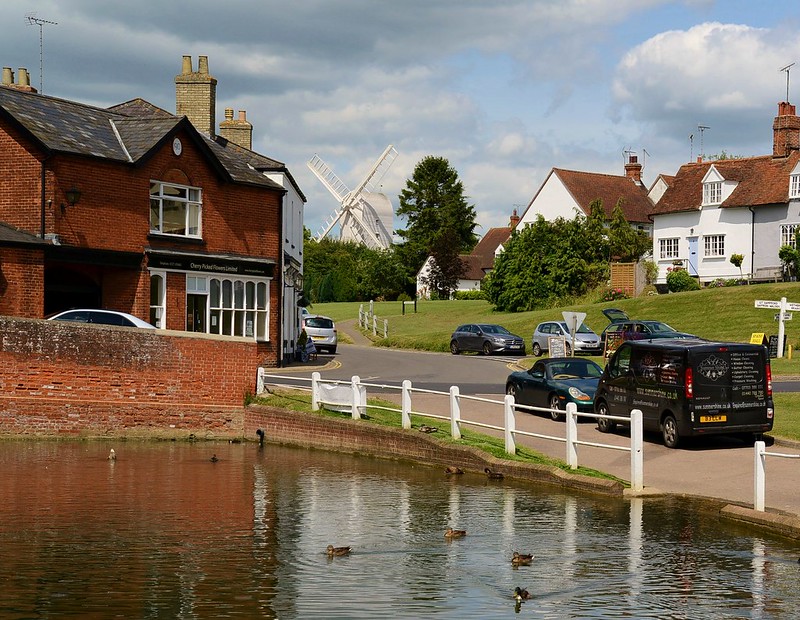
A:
627,244
432,201
447,267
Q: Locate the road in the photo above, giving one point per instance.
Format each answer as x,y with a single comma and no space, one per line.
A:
718,467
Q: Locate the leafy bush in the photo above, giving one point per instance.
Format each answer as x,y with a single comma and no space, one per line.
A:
717,283
474,294
613,294
650,271
679,280
404,297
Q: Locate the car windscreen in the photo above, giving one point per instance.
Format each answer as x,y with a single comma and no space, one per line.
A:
494,329
575,368
657,327
319,322
581,330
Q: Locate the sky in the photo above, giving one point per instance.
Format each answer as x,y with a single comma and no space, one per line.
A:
505,90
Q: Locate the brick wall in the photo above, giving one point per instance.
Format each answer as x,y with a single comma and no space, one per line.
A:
21,282
59,378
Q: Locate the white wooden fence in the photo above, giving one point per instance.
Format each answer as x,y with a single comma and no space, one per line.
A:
367,318
352,397
760,476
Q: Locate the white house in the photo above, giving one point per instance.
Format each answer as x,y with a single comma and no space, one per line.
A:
748,206
569,193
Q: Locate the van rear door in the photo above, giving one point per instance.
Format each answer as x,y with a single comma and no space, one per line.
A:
730,388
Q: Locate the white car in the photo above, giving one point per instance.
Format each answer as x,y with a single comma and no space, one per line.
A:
322,331
101,317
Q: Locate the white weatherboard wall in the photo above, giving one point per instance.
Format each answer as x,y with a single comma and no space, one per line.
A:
734,224
552,201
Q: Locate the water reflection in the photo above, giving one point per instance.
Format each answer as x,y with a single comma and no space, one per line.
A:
164,532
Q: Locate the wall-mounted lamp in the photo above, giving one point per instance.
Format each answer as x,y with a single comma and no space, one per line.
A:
73,196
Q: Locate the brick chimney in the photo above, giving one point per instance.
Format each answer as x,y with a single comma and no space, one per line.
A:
633,169
785,130
512,223
23,80
237,131
196,95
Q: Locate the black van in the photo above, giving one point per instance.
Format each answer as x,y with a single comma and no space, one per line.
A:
686,388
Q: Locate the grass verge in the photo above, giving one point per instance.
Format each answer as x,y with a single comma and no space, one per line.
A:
379,412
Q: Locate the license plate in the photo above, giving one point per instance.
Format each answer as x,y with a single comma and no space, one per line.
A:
713,418
317,337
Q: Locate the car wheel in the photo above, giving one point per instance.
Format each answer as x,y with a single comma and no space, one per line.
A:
568,349
487,348
669,431
454,348
537,350
555,409
511,390
333,350
604,425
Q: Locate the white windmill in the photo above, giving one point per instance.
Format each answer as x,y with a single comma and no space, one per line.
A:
366,216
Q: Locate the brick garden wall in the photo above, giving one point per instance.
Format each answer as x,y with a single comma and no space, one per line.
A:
65,379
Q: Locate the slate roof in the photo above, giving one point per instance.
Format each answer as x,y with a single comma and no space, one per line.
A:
128,132
586,187
761,181
14,236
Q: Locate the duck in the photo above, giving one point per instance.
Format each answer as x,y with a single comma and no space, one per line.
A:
496,475
452,469
332,551
521,594
424,428
521,559
214,458
451,533
112,456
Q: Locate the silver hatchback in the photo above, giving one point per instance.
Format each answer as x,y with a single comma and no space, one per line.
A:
586,341
322,331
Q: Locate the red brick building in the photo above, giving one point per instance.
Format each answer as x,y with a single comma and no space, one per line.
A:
135,209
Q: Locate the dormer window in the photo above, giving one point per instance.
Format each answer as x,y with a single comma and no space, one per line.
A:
712,193
794,183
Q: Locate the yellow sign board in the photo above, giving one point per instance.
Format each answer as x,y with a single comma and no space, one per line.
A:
758,338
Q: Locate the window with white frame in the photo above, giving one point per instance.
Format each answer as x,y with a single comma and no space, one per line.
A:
794,186
175,209
668,248
712,193
788,234
158,295
236,306
714,245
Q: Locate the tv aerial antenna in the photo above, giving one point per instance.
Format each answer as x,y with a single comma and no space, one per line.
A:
787,68
37,21
702,129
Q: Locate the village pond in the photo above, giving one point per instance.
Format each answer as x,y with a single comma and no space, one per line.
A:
163,531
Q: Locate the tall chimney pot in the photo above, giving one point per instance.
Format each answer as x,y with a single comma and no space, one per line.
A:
202,65
187,65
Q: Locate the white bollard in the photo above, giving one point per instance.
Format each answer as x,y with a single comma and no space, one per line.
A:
405,401
455,412
315,376
760,477
572,435
637,451
354,410
260,381
385,328
510,425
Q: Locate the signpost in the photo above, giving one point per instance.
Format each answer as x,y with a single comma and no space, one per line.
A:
573,320
781,316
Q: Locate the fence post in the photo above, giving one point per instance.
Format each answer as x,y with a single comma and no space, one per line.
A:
760,477
315,391
372,307
405,400
354,383
374,325
572,435
385,328
260,380
360,315
510,425
637,454
455,412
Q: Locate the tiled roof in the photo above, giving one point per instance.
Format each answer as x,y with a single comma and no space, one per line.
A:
761,181
481,259
474,266
127,132
586,187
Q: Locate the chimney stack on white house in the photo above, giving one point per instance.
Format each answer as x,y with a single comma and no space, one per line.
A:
785,130
196,95
238,131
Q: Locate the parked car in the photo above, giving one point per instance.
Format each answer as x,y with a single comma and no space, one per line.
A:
322,331
687,388
629,329
586,341
485,338
101,317
554,382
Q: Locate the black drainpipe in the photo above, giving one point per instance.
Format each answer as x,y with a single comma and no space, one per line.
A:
752,242
43,196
